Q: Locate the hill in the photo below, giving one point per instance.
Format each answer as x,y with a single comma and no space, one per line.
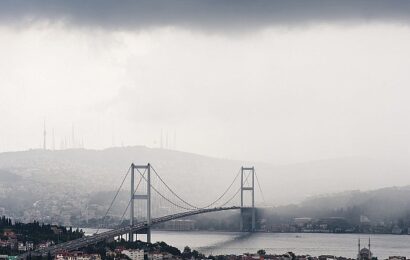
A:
59,186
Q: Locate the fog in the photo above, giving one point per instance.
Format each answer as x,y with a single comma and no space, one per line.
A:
279,82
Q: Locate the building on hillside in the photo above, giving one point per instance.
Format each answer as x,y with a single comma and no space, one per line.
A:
30,245
9,233
4,243
21,247
78,255
13,242
119,249
110,254
134,254
155,256
166,255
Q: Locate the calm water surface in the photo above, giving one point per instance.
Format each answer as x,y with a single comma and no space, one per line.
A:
278,243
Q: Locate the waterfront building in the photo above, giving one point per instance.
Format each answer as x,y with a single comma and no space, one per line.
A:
326,257
396,230
180,225
397,258
300,222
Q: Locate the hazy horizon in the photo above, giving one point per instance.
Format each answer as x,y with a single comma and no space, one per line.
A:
171,149
100,170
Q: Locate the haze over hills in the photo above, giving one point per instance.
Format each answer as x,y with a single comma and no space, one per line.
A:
38,184
385,210
381,205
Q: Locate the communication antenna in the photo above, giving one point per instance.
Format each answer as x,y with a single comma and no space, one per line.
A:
175,140
72,136
44,136
53,141
162,144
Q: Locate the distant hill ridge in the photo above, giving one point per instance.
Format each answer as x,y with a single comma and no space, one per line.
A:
381,205
100,170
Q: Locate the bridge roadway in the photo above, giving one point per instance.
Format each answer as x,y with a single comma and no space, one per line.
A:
94,239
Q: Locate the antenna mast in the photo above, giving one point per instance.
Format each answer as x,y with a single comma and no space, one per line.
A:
44,136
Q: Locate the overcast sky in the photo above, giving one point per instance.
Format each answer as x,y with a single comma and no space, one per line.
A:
275,81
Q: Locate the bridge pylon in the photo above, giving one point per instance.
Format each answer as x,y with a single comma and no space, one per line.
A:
247,172
138,196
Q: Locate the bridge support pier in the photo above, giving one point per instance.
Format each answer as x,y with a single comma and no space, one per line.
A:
138,196
245,186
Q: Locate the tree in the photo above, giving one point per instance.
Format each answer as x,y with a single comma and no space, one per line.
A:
261,252
187,253
195,254
187,250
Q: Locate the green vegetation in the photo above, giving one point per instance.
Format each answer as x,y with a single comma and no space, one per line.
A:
261,252
35,233
188,254
102,248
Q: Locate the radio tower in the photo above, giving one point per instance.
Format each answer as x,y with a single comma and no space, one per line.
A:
44,136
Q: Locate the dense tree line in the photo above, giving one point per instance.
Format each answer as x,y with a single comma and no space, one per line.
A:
35,232
102,248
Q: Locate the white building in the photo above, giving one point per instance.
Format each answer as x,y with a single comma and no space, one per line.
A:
22,247
134,254
155,256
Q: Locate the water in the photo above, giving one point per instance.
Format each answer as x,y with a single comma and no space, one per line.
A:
345,245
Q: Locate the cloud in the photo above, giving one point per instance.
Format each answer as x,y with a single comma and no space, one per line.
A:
201,14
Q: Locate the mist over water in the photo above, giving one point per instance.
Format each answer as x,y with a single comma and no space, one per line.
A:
344,245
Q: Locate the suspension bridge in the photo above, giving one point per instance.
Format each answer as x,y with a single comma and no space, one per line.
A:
156,202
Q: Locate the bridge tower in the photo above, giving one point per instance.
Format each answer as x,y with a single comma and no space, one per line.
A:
137,196
247,172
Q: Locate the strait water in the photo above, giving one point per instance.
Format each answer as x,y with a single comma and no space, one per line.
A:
345,245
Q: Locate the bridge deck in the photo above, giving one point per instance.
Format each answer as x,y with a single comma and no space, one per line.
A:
94,239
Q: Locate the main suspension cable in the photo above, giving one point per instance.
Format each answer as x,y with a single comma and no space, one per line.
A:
260,189
116,194
191,207
189,204
236,193
164,197
174,193
223,194
129,202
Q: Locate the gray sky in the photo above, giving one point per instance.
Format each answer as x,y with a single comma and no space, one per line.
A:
274,81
